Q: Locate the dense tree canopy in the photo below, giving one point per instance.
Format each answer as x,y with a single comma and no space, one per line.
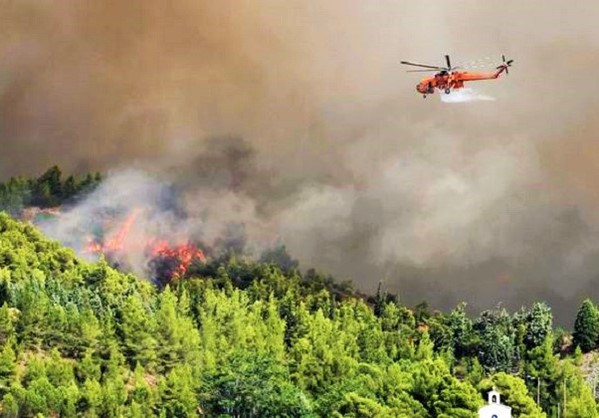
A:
48,190
240,338
586,326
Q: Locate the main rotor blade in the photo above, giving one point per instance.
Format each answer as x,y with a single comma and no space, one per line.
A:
486,62
421,65
421,71
447,60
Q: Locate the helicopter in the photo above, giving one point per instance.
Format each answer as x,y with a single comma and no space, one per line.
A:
448,78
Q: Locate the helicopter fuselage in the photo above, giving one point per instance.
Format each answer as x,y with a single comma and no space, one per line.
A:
447,78
446,81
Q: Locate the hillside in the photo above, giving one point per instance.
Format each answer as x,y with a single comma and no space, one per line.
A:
46,191
84,339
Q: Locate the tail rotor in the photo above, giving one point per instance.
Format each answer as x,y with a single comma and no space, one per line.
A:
505,64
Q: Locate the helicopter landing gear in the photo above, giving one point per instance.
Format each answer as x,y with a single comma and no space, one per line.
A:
424,96
447,91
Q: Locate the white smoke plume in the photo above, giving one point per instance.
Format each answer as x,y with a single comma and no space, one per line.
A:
154,210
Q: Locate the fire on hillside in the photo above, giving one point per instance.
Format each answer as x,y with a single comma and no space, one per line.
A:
168,260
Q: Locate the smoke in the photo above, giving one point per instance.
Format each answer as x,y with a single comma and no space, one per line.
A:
295,120
132,212
464,95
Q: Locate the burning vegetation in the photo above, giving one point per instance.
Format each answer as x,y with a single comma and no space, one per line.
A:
171,262
166,260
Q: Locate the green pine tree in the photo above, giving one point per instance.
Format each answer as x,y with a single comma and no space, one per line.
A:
586,326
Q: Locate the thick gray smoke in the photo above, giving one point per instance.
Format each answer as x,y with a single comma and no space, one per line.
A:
339,156
132,210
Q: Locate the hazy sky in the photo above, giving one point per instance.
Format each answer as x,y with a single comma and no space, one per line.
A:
300,111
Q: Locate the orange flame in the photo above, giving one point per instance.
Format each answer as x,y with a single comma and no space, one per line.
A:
181,254
116,242
184,254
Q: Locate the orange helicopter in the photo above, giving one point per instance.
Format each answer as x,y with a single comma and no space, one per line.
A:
447,78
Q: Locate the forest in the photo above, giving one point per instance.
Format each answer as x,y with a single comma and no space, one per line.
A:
46,191
239,337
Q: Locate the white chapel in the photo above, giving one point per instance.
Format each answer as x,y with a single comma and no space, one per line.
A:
495,409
